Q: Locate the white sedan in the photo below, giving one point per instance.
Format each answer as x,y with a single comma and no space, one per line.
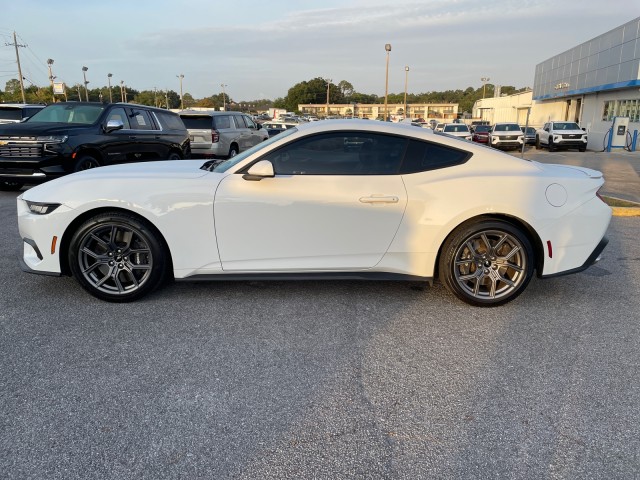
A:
348,199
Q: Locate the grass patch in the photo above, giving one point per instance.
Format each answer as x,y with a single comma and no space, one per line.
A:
617,202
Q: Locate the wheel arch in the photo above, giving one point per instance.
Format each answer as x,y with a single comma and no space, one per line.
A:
82,150
65,241
529,231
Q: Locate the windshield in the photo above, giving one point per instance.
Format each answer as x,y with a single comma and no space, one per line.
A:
508,127
566,126
227,164
482,128
84,114
456,128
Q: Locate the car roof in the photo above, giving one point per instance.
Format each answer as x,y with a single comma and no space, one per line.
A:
210,113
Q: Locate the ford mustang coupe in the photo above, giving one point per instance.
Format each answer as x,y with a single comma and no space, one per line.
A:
346,199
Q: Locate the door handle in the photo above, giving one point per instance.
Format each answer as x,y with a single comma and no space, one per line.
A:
380,199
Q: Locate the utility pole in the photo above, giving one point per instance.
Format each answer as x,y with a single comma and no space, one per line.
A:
16,44
51,78
328,80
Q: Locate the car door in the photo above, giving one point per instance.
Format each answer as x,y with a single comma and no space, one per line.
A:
118,146
244,134
149,140
335,202
255,134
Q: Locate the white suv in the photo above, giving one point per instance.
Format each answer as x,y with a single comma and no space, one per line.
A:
555,135
506,135
221,134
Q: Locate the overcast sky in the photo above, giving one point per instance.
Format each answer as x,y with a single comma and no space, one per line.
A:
259,49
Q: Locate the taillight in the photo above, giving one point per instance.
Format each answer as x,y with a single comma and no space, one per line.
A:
215,136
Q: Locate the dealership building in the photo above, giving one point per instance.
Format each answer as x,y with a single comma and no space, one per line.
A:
591,83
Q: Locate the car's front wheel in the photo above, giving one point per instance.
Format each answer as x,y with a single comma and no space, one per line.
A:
486,263
538,147
85,162
174,156
117,257
10,186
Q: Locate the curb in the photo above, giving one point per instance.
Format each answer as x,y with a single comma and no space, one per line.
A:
626,211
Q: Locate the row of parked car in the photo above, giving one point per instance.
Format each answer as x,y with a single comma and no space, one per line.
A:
508,135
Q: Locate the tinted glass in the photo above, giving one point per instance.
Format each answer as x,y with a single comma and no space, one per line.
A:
169,121
508,127
456,128
10,113
340,153
121,115
482,128
141,120
424,156
69,113
239,121
565,126
193,122
223,121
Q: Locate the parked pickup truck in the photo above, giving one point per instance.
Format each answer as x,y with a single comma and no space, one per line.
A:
557,135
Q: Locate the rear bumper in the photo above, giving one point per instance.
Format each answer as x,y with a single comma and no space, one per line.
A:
593,258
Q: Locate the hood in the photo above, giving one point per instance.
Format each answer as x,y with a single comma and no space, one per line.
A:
129,176
37,129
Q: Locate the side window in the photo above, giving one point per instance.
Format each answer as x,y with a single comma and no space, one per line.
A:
424,156
222,122
169,121
141,120
248,122
239,122
119,114
340,153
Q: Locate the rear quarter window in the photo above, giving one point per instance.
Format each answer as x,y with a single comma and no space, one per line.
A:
425,156
169,121
203,122
222,122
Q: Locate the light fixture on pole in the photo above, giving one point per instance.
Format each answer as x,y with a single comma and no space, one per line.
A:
109,75
181,76
328,80
387,48
406,78
224,97
484,81
51,78
86,82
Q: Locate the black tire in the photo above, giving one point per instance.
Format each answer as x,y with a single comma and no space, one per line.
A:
174,156
583,149
85,162
117,257
233,150
551,146
486,263
538,147
10,186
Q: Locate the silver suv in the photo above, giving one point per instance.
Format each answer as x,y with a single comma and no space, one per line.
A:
221,134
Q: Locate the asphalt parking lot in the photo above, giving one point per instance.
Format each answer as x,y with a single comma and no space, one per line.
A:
325,380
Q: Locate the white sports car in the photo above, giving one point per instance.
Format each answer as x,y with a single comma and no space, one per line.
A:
342,199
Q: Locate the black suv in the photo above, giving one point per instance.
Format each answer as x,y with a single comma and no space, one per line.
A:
68,137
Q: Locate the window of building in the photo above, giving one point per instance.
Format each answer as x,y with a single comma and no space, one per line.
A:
621,108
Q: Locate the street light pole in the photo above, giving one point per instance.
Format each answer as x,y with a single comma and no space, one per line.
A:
224,97
181,76
328,80
406,78
86,82
51,77
387,48
484,81
109,75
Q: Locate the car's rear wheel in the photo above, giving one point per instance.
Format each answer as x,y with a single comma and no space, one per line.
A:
233,150
117,257
10,186
85,162
174,156
486,263
538,147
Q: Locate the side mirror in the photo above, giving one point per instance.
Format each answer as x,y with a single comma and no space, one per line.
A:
262,169
113,125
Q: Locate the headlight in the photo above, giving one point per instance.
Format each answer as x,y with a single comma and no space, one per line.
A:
40,208
52,138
